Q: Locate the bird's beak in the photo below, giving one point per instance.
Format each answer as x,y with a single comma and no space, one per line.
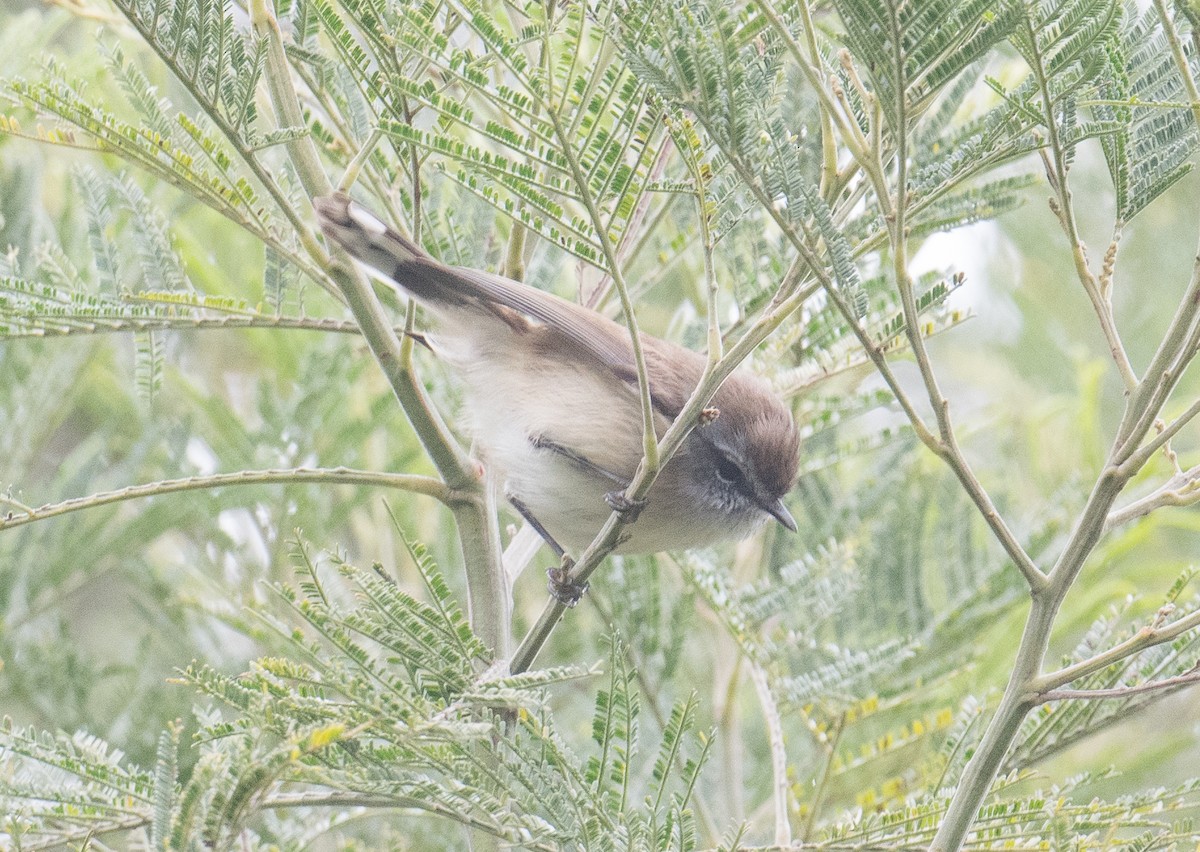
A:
780,513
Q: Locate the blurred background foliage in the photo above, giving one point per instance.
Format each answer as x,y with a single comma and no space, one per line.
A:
100,610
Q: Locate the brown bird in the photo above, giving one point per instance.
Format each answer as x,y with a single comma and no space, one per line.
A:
552,396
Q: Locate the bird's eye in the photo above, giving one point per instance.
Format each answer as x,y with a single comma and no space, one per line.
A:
729,472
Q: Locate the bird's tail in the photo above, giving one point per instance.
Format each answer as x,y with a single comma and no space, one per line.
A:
363,234
369,239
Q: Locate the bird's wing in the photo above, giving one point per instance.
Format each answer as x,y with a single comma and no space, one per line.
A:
673,370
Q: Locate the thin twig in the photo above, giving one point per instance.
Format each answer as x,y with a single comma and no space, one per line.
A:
1189,677
634,237
947,447
1180,57
425,485
952,454
1182,489
1056,167
1142,456
514,256
826,95
12,502
355,166
452,463
608,537
650,459
1158,381
711,287
1148,637
249,157
131,325
655,453
1033,575
779,780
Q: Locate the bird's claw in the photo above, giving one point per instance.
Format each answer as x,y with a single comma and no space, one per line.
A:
628,509
560,585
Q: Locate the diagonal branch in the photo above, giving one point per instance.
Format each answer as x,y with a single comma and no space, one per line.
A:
945,445
1161,375
1178,54
231,133
948,452
1056,173
650,460
609,535
1142,456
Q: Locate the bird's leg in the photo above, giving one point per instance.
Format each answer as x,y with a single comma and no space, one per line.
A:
541,442
616,500
560,584
524,512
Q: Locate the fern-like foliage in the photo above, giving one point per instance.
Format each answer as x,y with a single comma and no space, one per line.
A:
704,60
909,51
210,53
33,309
1054,818
183,153
1156,135
382,702
509,103
65,787
134,282
1065,46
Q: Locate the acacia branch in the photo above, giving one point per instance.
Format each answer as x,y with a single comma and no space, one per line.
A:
830,113
1189,677
1155,633
1139,459
779,779
1159,379
1056,173
452,463
248,155
1182,489
654,453
86,325
1180,57
950,453
945,445
425,485
650,458
489,596
1021,690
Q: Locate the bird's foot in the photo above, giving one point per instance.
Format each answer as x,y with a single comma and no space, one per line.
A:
565,590
629,510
